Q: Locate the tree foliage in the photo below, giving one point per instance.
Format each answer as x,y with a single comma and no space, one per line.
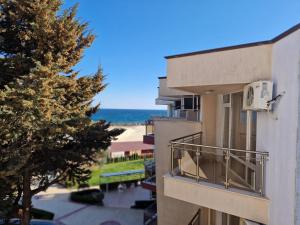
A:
46,132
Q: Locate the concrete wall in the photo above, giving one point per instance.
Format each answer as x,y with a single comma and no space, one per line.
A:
277,133
171,211
233,201
235,66
208,114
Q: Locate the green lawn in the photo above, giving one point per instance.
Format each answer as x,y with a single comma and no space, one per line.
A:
116,167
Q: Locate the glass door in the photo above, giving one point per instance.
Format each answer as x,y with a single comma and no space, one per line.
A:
239,132
230,219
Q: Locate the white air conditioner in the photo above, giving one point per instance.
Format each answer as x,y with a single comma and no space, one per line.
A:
257,95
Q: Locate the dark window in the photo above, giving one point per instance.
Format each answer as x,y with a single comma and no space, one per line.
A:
178,104
192,103
188,103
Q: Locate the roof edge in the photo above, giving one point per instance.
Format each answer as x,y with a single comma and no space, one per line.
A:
286,33
232,47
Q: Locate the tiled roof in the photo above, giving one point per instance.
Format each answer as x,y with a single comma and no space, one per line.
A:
129,146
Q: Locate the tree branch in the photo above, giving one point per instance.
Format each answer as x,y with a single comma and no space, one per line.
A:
48,184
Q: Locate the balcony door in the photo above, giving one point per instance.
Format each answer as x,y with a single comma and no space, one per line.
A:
235,121
239,132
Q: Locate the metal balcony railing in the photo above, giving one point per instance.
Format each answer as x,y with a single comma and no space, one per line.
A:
150,215
196,219
243,169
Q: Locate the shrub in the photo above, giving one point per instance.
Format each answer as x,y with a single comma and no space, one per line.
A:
91,196
41,214
83,185
142,204
37,214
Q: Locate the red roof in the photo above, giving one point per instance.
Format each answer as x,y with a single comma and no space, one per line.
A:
129,146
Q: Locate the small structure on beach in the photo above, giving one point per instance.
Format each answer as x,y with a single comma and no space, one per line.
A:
129,148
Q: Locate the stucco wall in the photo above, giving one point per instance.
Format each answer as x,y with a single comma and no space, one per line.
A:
233,201
236,66
208,113
165,91
117,154
170,210
277,132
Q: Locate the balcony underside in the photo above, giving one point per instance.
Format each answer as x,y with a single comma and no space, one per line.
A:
169,92
215,89
234,201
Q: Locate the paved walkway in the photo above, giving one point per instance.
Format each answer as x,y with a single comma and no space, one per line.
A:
116,207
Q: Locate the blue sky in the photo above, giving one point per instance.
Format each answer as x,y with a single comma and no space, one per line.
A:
133,36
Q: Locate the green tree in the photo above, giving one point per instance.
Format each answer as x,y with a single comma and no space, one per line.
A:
46,134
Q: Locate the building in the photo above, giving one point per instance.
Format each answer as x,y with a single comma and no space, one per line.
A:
228,153
148,138
130,148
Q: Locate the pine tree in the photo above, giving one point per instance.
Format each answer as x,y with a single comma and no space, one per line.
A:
46,133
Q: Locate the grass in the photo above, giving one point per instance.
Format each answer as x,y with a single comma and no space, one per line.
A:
116,167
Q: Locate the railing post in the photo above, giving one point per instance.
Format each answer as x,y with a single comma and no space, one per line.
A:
197,164
262,167
199,216
182,152
172,160
227,157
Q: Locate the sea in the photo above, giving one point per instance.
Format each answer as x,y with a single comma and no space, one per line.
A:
127,116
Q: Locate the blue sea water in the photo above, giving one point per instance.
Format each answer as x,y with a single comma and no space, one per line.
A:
127,116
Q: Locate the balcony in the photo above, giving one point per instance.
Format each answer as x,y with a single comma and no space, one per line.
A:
224,166
148,138
218,178
150,215
181,115
165,91
196,220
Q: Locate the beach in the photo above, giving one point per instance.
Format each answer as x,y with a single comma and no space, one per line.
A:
131,133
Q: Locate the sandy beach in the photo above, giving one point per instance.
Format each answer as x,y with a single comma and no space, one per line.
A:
131,133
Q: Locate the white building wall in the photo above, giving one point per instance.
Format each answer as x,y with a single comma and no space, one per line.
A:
235,66
117,154
277,133
171,211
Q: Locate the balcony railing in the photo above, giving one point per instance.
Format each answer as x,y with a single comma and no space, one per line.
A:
150,215
190,115
196,219
243,169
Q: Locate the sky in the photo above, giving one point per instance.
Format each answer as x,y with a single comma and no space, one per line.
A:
134,36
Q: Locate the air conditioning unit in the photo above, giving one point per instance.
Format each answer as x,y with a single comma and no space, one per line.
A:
257,95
